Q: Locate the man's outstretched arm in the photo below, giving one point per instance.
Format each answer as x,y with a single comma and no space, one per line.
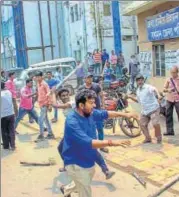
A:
115,114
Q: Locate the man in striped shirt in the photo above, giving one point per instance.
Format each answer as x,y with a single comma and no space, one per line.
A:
98,60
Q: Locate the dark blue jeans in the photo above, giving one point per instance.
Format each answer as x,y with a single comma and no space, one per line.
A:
23,112
99,159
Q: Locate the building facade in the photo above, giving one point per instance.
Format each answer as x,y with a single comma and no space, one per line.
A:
158,31
91,27
31,32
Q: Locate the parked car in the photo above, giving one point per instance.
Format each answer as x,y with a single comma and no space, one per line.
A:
67,66
17,71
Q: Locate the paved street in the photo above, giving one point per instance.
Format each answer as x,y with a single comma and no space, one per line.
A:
156,163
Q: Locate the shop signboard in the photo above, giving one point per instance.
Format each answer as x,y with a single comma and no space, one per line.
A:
164,25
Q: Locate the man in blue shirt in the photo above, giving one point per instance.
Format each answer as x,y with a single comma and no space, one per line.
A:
68,105
52,82
105,57
80,143
108,71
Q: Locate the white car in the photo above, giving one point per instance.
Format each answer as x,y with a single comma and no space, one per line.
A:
68,68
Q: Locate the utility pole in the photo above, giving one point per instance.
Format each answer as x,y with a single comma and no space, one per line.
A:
84,29
134,32
58,31
96,10
67,17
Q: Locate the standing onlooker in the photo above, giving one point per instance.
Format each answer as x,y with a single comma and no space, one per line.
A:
26,104
108,71
120,64
113,61
98,60
91,63
3,76
7,118
172,88
10,85
80,144
79,73
58,74
147,98
133,69
105,57
45,103
99,101
52,82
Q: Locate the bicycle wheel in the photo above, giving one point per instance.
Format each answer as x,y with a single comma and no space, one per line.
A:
130,127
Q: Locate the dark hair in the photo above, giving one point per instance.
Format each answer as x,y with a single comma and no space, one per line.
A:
49,72
2,85
10,74
84,94
28,80
59,93
39,74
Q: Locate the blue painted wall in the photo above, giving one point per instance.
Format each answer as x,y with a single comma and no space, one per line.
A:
116,26
19,29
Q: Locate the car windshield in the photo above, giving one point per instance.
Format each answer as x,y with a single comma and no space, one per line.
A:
65,70
72,63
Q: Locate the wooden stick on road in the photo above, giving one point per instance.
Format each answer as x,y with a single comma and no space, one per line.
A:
49,163
139,179
166,186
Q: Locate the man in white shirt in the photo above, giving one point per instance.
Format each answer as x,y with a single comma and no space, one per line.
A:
147,98
7,118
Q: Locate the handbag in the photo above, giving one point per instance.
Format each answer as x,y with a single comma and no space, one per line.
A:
174,86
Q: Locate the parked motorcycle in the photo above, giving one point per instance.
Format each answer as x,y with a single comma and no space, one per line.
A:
130,127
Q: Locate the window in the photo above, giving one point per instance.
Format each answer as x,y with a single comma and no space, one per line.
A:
77,55
72,14
159,51
127,38
106,9
76,12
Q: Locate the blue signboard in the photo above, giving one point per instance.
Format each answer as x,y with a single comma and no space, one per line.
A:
116,27
164,25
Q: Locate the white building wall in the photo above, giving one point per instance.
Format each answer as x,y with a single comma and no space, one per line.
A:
78,33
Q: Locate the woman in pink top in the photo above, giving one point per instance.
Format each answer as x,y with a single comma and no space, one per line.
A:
172,89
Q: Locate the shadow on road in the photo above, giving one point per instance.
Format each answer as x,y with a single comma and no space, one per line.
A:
5,153
61,179
110,186
26,137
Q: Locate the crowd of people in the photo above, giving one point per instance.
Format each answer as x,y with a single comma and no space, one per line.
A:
85,115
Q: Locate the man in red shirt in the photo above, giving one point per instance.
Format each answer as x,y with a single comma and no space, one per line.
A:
98,60
10,85
26,105
45,103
